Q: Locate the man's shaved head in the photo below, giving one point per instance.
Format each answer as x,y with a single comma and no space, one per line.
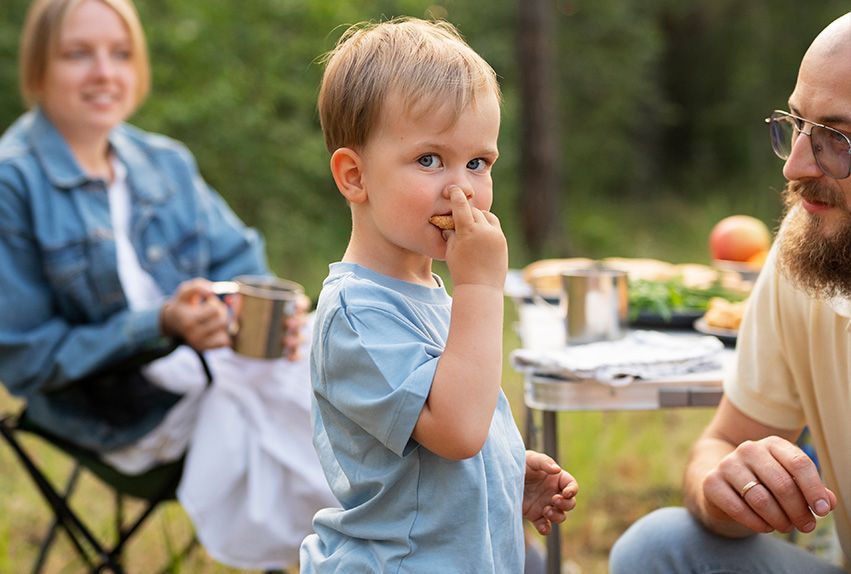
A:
833,41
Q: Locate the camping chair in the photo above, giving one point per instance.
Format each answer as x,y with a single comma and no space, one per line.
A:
152,487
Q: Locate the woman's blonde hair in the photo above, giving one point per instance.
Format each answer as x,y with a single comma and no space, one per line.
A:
40,39
427,64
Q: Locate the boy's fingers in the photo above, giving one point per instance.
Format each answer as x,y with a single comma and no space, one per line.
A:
491,218
563,504
554,515
478,215
462,212
541,461
542,525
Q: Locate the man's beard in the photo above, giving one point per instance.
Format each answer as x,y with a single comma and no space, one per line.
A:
818,264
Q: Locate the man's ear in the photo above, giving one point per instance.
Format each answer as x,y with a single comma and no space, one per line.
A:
347,169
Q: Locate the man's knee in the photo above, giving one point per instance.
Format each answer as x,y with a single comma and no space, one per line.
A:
654,542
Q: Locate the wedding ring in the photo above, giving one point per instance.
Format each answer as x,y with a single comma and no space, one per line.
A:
746,488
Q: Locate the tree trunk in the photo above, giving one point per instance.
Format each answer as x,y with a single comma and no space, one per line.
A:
539,125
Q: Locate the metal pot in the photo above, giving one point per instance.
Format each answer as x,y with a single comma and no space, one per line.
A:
596,301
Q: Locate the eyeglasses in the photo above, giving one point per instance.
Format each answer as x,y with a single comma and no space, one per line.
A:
831,148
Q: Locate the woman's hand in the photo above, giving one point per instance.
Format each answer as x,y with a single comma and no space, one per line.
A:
197,315
548,492
293,337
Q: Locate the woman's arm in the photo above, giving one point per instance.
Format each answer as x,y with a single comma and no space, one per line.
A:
40,349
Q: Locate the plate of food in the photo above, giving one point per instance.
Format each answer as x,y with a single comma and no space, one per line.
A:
727,336
681,319
722,319
672,303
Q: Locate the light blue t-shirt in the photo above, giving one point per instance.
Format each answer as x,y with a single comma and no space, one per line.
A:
376,344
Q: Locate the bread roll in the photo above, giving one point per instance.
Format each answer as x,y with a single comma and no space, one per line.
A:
723,314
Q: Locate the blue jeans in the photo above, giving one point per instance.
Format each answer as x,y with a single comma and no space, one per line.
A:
670,540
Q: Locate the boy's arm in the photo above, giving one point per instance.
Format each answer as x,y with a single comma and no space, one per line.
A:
456,417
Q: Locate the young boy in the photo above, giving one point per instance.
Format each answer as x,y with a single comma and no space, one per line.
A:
413,431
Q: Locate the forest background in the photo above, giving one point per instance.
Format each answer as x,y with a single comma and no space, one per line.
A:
629,129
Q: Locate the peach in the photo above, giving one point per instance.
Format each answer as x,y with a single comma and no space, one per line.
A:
739,238
758,258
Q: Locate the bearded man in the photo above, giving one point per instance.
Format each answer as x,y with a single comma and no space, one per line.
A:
746,477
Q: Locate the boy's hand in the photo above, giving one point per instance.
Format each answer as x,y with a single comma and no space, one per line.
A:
548,492
476,251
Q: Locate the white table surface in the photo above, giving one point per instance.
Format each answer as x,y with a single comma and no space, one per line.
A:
541,327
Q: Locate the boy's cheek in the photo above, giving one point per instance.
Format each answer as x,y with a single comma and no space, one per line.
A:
483,201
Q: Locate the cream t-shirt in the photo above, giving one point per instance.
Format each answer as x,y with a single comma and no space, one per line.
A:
793,369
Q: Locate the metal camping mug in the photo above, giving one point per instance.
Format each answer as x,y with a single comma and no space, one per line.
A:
258,319
596,303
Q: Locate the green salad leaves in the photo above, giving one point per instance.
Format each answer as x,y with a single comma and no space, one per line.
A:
664,298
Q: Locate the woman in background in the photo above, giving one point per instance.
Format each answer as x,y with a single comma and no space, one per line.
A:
109,241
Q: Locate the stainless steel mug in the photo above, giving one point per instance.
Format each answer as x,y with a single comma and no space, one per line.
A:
596,303
264,302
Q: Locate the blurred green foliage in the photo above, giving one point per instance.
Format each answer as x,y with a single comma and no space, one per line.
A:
661,108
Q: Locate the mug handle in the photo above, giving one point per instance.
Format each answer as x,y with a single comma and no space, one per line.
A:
222,290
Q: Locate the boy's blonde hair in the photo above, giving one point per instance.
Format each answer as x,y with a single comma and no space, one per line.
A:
427,64
40,39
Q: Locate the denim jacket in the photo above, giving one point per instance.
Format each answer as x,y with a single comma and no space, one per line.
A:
63,314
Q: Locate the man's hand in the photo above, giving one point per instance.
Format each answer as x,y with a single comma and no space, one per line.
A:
548,492
197,315
476,251
766,485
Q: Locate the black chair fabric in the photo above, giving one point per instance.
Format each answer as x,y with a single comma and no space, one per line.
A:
153,487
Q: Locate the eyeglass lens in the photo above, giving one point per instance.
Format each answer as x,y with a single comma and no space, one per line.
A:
830,148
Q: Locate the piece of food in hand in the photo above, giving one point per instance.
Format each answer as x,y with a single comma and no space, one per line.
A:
442,221
724,314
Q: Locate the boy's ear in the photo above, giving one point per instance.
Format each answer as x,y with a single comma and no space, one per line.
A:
347,169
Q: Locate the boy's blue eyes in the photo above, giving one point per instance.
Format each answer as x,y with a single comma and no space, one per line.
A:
432,161
429,160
